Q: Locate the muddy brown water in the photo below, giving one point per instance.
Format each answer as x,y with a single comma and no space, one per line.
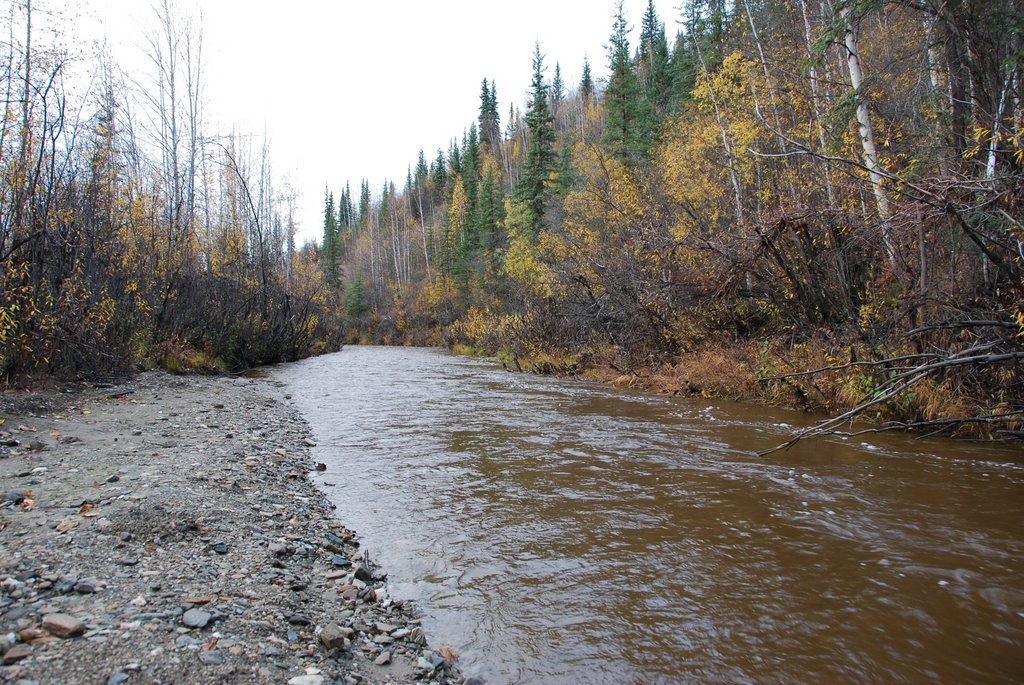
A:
555,531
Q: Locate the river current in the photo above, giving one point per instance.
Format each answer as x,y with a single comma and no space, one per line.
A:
554,531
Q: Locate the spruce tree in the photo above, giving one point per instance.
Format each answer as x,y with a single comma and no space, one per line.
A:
629,131
540,154
653,60
587,84
329,248
364,205
557,89
490,126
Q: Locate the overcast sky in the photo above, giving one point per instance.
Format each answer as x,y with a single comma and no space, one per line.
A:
352,90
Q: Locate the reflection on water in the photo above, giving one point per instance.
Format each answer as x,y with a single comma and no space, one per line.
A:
555,531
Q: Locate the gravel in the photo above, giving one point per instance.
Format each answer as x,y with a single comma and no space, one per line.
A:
164,530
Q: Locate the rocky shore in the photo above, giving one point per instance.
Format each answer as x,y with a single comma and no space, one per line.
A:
163,529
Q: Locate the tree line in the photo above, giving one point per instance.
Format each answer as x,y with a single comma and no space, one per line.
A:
784,186
131,234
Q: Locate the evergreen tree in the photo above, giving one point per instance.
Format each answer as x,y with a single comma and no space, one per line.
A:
364,205
653,60
356,305
490,125
330,247
629,131
439,174
557,89
455,158
587,84
540,155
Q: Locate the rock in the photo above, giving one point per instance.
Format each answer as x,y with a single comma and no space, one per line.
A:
211,657
383,659
186,641
334,636
117,678
220,548
196,618
321,467
299,620
86,587
65,585
363,573
418,636
306,680
17,653
63,625
12,497
340,561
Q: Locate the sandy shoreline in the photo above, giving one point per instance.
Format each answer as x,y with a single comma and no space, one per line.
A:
164,530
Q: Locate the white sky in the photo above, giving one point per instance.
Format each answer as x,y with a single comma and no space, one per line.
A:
351,90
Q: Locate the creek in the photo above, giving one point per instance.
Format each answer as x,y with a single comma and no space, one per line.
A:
557,531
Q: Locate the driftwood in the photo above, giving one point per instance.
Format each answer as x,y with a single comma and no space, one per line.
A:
906,371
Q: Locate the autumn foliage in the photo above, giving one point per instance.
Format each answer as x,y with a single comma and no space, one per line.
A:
125,244
805,186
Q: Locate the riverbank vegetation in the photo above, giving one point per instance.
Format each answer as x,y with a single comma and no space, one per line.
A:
779,187
130,233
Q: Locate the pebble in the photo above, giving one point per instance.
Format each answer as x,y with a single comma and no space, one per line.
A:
117,678
306,680
63,625
196,618
334,636
17,653
383,659
211,657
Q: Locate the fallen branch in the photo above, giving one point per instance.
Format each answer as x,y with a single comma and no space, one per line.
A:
898,384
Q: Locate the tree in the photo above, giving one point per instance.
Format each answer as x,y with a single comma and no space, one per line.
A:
586,84
490,124
653,60
331,247
629,132
540,151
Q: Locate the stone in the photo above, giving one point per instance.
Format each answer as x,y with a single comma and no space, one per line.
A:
306,680
299,620
334,636
340,561
65,585
63,625
17,653
418,636
383,659
86,587
196,618
220,548
211,657
117,678
363,573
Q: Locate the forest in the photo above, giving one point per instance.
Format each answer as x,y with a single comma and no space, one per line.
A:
811,204
814,204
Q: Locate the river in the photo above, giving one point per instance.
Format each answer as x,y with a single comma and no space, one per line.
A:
555,531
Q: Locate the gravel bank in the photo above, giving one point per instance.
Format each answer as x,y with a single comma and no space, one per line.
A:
164,530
